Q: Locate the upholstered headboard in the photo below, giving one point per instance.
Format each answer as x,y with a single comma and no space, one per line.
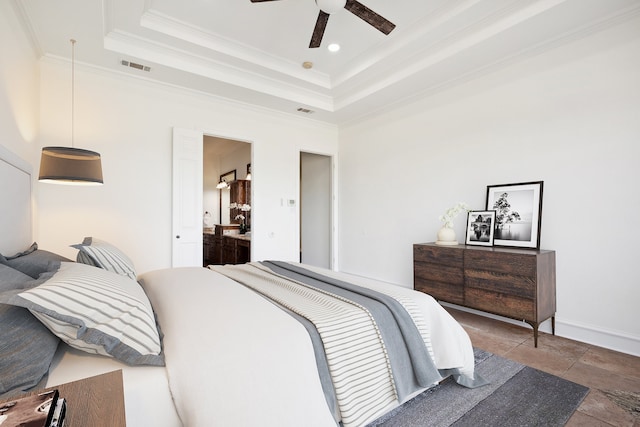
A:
15,203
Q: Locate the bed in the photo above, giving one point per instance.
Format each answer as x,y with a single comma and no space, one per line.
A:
266,343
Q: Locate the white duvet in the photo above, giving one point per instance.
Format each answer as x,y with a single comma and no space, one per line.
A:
234,359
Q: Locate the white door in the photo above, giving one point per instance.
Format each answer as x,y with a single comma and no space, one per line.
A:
187,198
315,209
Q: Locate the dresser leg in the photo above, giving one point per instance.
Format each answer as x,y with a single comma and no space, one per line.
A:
553,325
534,325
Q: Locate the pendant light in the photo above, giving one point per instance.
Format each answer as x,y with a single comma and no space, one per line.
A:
70,165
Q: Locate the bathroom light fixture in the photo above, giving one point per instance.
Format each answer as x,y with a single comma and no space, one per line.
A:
70,165
226,179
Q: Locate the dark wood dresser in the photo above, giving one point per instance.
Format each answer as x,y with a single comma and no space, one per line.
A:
515,283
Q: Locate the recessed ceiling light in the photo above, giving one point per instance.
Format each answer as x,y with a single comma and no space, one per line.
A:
333,47
307,64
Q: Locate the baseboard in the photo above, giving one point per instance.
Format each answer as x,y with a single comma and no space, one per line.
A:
589,334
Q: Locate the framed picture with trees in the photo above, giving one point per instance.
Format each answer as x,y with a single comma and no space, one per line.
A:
518,213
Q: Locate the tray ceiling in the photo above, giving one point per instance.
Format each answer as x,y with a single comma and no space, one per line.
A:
254,52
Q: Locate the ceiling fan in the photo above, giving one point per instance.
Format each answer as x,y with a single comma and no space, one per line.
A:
327,7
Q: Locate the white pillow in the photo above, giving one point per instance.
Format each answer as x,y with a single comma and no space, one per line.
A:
104,255
97,311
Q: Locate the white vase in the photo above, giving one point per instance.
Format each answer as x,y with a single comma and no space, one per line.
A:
446,237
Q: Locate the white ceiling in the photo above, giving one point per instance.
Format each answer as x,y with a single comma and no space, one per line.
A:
253,52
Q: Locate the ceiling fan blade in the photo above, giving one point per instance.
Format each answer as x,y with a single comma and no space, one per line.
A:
318,31
369,16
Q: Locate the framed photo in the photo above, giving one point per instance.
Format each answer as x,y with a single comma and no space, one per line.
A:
481,228
518,213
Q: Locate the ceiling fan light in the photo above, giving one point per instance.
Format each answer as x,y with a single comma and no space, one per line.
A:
331,6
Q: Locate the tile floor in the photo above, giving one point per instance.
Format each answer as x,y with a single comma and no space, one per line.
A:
600,369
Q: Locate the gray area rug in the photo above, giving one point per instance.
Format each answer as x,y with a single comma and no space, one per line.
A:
516,396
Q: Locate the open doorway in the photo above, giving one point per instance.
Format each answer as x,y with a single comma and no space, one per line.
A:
226,201
315,209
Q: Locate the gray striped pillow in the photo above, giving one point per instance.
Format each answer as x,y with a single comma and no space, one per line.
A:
97,311
104,255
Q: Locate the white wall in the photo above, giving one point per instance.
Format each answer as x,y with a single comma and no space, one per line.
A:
18,87
569,117
129,122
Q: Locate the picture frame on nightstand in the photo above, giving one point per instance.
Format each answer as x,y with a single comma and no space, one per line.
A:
480,228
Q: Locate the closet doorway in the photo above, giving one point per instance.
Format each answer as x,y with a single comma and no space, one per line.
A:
315,210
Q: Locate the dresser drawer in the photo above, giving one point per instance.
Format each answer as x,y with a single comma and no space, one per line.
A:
431,272
434,255
501,262
442,291
439,273
501,304
520,286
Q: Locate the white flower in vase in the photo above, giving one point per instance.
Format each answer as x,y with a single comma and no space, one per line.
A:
243,225
453,212
446,235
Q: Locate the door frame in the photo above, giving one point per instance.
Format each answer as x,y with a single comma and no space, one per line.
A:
198,217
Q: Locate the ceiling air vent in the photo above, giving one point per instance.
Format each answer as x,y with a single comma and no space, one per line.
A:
305,110
134,65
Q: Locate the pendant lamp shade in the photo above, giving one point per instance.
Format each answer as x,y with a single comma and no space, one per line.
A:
70,165
66,165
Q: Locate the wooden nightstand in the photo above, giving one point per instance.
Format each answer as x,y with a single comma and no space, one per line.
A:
95,401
